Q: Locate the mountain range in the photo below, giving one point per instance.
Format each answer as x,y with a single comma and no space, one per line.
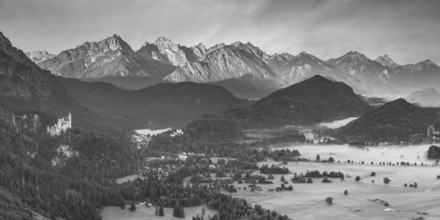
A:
244,69
25,88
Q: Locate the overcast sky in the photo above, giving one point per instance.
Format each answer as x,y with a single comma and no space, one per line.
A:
407,30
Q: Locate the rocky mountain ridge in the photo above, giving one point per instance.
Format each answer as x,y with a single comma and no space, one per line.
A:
242,68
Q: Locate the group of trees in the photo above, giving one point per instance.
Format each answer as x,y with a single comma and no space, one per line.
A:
273,169
434,152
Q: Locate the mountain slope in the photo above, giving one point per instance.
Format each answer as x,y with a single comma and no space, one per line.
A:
159,106
428,97
311,101
393,122
24,86
369,72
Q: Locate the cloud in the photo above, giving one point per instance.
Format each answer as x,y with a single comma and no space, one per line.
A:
406,30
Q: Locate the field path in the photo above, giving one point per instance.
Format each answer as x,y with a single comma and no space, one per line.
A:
435,184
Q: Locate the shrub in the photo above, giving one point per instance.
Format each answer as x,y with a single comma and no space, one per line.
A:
325,180
386,180
358,178
373,174
329,200
345,192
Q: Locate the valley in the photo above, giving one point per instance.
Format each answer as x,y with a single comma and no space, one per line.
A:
105,118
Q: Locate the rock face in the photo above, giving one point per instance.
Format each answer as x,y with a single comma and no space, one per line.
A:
311,101
428,97
39,56
163,50
109,57
371,73
395,121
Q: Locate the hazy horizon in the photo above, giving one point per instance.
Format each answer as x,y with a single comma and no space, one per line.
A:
407,31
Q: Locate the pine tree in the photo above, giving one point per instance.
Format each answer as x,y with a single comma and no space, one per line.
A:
132,207
161,211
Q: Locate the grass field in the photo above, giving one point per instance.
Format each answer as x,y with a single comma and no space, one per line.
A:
144,213
306,201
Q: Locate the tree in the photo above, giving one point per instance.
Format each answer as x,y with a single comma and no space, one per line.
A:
345,192
386,180
329,200
358,178
373,174
283,179
318,158
161,211
415,185
132,207
331,159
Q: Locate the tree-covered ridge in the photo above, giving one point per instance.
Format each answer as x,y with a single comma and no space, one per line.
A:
311,101
395,121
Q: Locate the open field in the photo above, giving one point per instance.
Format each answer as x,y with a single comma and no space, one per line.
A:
393,154
142,213
306,201
128,178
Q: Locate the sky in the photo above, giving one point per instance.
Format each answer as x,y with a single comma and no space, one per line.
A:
408,31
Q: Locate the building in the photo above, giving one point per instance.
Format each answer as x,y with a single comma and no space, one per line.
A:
432,132
61,126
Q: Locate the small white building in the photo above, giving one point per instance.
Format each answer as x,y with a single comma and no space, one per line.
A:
61,126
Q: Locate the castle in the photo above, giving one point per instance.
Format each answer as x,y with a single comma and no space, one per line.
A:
61,126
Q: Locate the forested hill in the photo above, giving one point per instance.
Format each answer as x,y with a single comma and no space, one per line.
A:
393,122
311,101
166,104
